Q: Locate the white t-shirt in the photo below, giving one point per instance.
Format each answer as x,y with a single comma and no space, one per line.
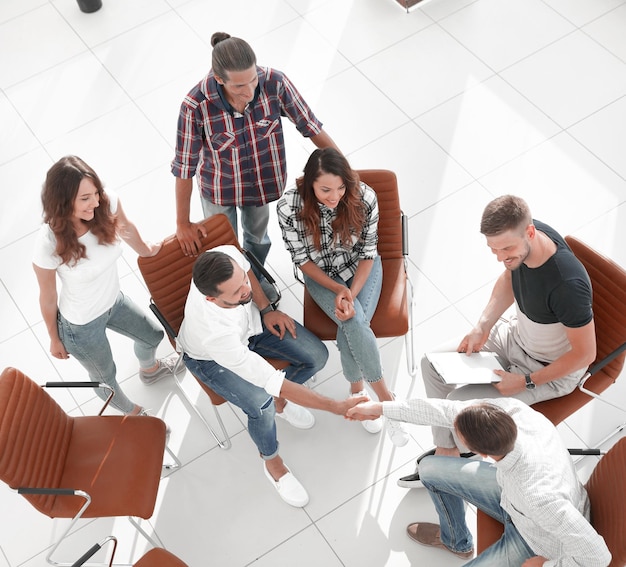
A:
90,286
211,332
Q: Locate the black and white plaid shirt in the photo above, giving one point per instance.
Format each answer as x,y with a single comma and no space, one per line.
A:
334,259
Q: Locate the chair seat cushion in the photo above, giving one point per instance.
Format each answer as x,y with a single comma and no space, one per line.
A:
559,409
122,457
391,315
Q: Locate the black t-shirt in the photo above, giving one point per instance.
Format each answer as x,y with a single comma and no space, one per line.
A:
559,291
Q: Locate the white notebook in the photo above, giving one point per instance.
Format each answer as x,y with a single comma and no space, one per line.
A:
459,368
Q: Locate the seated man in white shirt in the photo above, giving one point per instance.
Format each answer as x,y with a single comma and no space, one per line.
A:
531,486
228,329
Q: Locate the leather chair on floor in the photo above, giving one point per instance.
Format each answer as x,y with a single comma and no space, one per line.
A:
77,467
607,493
394,314
168,278
609,308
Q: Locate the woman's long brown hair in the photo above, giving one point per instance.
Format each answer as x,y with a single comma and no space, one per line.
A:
350,210
58,196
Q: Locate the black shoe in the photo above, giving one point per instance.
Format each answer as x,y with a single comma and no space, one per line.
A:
410,481
413,480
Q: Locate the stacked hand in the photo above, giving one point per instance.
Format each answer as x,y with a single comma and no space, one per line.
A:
344,305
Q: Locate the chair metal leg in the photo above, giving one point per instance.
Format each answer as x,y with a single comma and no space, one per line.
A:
595,451
94,549
223,444
176,464
409,338
135,522
75,519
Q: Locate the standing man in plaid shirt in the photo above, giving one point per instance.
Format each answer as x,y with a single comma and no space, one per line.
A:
230,134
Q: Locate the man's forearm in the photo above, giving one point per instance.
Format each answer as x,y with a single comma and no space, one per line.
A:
501,299
306,397
184,188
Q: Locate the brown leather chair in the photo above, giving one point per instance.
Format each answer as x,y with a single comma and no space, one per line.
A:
77,467
394,314
609,308
607,493
168,277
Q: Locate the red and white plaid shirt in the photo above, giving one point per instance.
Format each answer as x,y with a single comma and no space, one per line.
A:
240,159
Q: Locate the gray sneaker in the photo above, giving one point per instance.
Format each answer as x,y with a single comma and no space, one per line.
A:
167,367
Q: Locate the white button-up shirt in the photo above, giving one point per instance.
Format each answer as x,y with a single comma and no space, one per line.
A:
540,489
211,332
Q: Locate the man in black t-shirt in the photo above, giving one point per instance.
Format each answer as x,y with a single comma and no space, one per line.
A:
549,343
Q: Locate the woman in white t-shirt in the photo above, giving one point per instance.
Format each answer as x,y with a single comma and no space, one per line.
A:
80,243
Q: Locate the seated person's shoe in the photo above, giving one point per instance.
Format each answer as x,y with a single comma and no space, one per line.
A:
370,425
395,429
410,481
298,416
413,480
430,534
289,488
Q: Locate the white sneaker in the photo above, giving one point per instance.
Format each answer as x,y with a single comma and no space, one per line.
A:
298,416
370,425
395,430
289,488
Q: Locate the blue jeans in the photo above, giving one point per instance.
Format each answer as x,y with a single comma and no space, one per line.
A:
306,355
360,359
451,482
254,221
90,346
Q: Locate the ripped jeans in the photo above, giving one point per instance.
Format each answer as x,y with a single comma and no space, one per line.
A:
307,355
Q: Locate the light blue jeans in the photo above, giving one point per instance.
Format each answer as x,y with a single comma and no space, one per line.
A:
451,482
306,354
360,359
254,221
90,346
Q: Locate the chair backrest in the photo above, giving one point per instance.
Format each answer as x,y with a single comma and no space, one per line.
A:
168,274
607,493
168,277
35,435
609,307
385,183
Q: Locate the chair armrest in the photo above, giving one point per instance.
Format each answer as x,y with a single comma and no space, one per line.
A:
94,549
261,268
164,322
405,234
602,363
53,491
86,384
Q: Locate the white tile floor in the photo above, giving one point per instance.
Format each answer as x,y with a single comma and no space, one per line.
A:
464,99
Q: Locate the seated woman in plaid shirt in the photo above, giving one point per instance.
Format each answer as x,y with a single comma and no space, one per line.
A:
329,223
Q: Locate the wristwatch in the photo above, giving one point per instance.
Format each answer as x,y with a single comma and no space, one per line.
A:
267,309
530,385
